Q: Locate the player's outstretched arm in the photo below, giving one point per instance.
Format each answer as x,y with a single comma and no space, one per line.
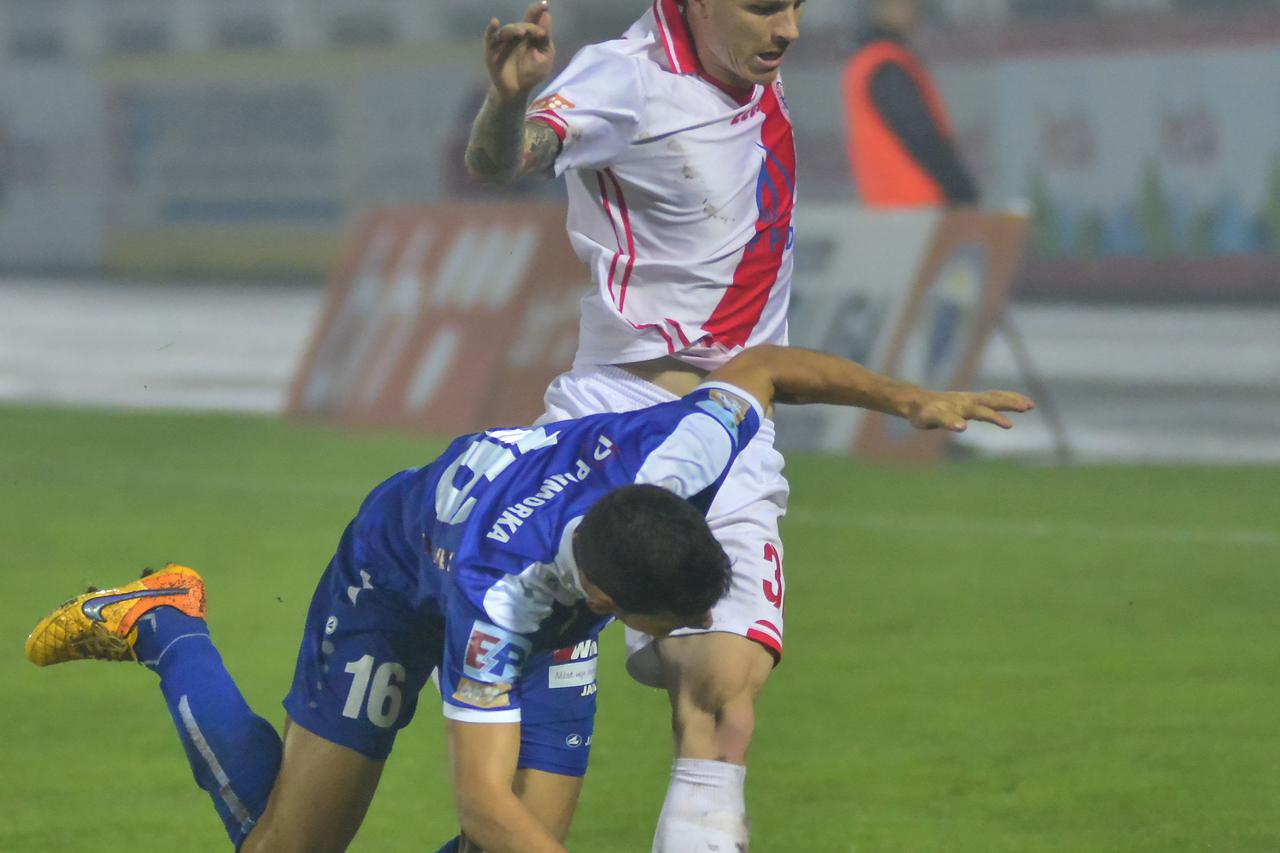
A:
483,758
774,374
518,57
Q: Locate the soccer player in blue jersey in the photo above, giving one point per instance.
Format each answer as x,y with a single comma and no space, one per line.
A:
495,566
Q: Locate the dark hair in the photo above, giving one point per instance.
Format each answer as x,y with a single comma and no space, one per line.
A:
652,552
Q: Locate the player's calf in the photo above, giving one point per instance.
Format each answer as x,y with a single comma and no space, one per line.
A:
713,680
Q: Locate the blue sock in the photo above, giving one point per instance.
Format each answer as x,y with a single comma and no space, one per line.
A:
234,753
452,845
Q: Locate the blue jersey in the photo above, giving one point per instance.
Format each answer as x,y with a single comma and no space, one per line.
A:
496,514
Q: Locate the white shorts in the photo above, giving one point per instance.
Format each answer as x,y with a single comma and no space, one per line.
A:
744,515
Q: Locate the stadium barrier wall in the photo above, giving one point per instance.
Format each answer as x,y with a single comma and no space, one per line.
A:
455,318
246,164
53,168
1147,153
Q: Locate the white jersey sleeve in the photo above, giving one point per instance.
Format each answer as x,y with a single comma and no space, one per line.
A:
695,457
595,106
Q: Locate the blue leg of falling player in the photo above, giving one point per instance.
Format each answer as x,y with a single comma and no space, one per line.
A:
234,753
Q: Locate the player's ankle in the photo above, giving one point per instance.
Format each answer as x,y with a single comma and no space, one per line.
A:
160,630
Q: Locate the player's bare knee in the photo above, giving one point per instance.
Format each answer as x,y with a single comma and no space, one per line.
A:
711,670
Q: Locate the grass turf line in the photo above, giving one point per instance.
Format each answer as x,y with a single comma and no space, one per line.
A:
968,668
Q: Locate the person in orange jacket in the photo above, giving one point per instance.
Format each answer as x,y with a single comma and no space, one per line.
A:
902,151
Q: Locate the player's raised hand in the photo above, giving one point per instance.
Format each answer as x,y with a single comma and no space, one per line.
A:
519,56
954,409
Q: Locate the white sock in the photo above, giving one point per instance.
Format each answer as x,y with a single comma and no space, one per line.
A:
705,810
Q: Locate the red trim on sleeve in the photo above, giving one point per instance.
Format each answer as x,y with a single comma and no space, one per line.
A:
558,125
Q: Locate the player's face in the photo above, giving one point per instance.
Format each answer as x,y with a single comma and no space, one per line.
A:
661,624
742,42
654,624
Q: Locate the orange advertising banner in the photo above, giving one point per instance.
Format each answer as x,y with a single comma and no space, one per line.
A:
445,319
452,319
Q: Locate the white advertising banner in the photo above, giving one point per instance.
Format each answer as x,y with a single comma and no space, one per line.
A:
1147,153
854,269
913,294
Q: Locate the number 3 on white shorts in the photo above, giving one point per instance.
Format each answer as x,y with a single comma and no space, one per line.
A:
384,694
773,590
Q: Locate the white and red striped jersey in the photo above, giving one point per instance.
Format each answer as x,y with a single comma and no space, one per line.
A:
680,198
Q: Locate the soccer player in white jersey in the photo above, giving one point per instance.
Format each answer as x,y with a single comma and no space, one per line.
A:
496,565
677,148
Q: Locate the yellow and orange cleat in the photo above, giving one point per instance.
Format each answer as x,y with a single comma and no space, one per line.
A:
101,624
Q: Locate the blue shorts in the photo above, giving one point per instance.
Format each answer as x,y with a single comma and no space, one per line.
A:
372,640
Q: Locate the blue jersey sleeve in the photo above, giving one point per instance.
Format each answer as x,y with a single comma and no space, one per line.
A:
481,666
737,411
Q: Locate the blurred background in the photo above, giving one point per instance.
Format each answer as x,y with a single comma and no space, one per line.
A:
216,212
196,167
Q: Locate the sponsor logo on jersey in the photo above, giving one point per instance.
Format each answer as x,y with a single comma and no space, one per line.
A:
775,195
728,409
443,558
494,654
574,666
732,403
513,517
782,99
577,674
554,101
755,110
585,649
483,695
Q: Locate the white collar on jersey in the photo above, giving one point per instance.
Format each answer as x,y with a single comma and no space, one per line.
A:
567,562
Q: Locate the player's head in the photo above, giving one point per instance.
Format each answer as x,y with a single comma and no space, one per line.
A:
741,42
901,16
648,557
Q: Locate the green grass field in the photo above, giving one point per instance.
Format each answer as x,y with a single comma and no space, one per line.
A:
980,657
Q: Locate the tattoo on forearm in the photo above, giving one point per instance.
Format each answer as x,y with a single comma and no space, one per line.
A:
503,145
541,146
496,138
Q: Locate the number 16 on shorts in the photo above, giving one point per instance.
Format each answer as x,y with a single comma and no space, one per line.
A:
374,689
